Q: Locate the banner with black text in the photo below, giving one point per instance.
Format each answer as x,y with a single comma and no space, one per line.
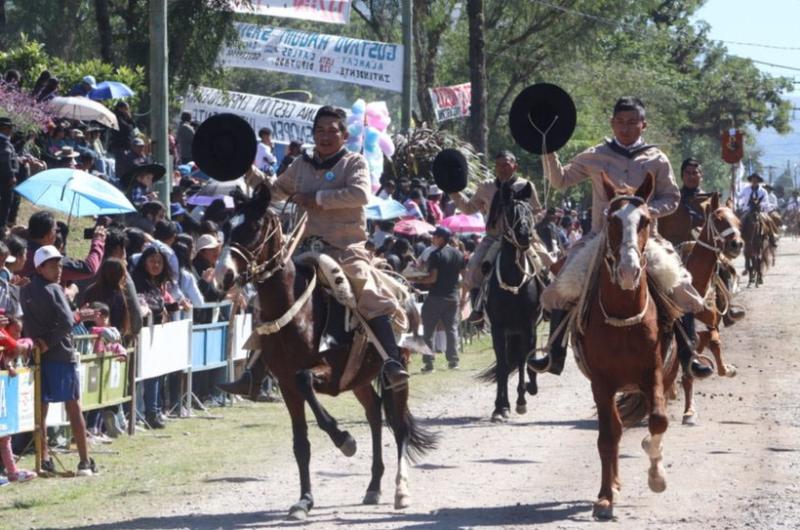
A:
334,11
450,102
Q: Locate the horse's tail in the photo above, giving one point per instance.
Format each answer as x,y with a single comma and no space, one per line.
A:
419,440
515,350
632,407
488,375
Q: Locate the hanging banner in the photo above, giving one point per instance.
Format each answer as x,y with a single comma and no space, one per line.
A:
361,62
288,120
334,11
450,102
16,402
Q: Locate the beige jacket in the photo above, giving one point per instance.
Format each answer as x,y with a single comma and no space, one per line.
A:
341,219
621,170
481,202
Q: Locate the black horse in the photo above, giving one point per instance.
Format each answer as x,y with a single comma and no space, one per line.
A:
756,244
512,304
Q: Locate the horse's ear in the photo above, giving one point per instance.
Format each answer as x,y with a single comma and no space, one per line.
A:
729,203
646,188
608,186
714,201
525,193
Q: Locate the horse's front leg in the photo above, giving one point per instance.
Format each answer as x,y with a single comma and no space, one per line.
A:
522,362
689,414
657,425
501,404
715,345
302,452
372,406
341,439
610,432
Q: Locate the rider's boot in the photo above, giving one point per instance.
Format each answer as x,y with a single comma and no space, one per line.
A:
553,362
393,368
249,383
476,316
686,343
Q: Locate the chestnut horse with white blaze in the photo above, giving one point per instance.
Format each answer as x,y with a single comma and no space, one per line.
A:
626,343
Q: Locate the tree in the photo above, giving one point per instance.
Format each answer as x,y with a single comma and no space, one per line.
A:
479,130
104,29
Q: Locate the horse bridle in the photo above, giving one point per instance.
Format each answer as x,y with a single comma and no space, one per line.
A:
259,272
612,264
718,238
520,260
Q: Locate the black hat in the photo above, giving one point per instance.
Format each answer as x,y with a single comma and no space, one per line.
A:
157,170
442,231
450,170
6,122
540,109
224,147
756,177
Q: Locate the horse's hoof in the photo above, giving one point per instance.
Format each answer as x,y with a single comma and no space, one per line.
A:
506,413
348,446
499,417
298,512
532,388
402,501
522,409
657,483
603,510
690,419
730,371
372,497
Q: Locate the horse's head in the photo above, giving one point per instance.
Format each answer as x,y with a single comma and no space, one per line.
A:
724,228
256,241
518,215
627,230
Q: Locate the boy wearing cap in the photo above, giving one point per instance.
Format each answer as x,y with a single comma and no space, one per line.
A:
48,320
486,200
627,160
441,305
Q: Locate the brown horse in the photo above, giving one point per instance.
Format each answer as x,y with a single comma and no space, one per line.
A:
720,235
625,344
294,313
757,252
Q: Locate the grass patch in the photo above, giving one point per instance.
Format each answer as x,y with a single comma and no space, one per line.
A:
193,457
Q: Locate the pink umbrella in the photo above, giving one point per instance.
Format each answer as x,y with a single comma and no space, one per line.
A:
413,227
464,224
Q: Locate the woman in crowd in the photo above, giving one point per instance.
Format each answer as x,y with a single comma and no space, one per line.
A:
152,280
184,248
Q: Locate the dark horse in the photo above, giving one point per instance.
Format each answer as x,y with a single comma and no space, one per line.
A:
296,311
512,305
756,244
626,345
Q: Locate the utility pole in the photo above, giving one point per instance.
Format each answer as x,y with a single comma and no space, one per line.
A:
159,94
771,171
405,118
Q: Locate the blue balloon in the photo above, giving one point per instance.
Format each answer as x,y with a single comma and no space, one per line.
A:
359,107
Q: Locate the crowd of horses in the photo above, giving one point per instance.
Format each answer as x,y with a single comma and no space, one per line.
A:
622,332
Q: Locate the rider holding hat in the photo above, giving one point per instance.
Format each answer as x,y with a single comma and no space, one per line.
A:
627,160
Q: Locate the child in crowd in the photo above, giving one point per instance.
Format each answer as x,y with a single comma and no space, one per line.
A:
109,340
13,348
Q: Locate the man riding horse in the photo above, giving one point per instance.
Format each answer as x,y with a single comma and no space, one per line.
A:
487,201
332,186
627,159
756,196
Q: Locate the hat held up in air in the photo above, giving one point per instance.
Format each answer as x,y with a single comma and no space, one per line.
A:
542,118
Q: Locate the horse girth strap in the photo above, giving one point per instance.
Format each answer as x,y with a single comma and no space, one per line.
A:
273,326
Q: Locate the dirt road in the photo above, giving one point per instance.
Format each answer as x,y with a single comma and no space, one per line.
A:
738,468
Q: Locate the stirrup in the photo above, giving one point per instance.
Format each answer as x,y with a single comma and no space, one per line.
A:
699,370
400,373
542,364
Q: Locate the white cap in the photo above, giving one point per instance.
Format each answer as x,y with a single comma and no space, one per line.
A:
45,253
207,241
90,80
10,259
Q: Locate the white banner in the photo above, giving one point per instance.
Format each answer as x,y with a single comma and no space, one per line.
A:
361,62
164,349
288,120
334,11
450,102
242,327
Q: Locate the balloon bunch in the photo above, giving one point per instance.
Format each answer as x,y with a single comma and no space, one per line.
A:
367,125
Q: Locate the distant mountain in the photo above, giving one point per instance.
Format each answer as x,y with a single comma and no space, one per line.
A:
777,148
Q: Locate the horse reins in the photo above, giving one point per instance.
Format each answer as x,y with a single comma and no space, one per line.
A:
525,268
260,272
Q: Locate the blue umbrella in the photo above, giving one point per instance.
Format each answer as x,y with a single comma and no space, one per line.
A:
110,90
383,209
74,192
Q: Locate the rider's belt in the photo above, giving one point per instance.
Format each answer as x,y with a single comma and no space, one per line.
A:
314,244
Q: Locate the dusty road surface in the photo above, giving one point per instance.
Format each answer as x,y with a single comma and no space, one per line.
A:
738,468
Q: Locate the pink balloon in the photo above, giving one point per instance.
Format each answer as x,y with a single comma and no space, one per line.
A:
386,144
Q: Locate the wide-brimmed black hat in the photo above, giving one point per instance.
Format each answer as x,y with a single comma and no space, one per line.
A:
224,147
542,118
157,170
450,170
756,177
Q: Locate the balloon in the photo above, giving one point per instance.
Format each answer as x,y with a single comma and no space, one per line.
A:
378,115
359,107
386,144
371,138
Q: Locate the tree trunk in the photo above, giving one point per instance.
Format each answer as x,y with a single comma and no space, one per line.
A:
104,30
479,131
3,22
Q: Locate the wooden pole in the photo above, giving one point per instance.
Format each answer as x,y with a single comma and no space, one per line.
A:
159,93
408,55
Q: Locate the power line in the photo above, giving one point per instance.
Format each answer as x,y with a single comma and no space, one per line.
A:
757,45
793,68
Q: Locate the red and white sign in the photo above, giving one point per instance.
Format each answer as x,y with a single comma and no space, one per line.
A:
450,102
333,11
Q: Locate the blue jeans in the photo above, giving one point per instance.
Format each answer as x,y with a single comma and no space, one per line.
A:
152,395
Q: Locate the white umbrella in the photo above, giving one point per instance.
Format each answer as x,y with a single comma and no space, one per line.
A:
80,108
